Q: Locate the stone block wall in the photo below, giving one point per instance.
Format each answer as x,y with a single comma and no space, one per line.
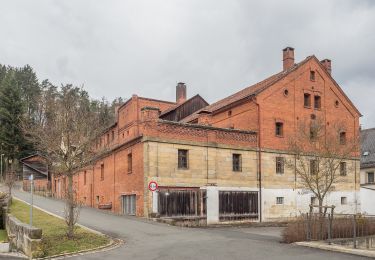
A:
23,237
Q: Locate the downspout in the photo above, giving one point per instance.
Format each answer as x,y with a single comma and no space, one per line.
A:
259,163
92,190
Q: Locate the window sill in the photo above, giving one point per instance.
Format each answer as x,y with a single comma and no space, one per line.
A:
308,107
279,173
183,169
130,172
318,109
279,136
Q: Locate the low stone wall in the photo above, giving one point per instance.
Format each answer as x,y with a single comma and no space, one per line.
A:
22,237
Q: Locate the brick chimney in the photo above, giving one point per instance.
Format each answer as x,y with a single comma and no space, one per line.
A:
288,58
180,93
327,64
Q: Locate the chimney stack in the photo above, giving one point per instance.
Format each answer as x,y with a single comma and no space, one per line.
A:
180,93
288,58
327,64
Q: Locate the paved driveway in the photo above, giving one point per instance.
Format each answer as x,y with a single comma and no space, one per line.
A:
149,240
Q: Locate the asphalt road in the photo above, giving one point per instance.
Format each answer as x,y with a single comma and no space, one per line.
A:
149,240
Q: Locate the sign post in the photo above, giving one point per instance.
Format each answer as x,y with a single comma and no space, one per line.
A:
31,179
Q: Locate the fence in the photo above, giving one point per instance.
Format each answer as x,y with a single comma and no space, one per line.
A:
346,229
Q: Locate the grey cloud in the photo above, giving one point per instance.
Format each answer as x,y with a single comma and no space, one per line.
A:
117,48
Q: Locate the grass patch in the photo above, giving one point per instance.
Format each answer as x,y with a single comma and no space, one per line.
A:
54,240
3,235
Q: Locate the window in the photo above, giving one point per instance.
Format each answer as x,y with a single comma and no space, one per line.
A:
312,75
342,138
279,129
307,100
314,167
236,162
108,138
130,163
344,200
84,178
279,165
343,168
313,200
229,112
317,102
102,171
113,135
286,92
370,177
313,133
97,199
182,159
279,200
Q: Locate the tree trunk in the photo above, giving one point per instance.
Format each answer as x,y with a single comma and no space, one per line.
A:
70,207
321,219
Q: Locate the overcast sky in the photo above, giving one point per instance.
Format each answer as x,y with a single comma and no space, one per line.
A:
120,48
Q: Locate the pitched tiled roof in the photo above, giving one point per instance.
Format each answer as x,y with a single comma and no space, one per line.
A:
249,91
368,148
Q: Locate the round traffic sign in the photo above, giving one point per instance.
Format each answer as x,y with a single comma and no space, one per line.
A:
153,186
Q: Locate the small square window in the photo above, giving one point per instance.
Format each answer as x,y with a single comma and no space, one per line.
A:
237,162
313,201
307,100
279,165
279,200
342,138
343,168
312,75
317,102
344,201
279,131
182,159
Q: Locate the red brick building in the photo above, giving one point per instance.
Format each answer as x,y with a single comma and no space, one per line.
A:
218,160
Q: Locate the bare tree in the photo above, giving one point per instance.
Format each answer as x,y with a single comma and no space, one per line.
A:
320,154
10,180
65,133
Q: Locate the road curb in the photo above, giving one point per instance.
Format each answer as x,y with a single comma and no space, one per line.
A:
337,248
113,242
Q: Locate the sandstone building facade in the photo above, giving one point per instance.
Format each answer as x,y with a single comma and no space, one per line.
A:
222,161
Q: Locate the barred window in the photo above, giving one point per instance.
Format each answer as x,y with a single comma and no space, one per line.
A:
279,200
182,159
237,162
280,165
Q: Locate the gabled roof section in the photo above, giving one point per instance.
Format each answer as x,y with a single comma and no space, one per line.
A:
33,155
257,88
179,105
368,148
249,91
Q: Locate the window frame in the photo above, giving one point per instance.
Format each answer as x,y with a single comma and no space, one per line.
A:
280,200
314,167
279,165
312,75
181,163
343,169
317,102
307,100
279,129
237,159
344,201
373,177
102,171
342,138
130,162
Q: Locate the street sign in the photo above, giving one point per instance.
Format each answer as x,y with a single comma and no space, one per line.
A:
153,186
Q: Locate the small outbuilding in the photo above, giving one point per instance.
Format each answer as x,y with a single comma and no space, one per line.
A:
37,166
